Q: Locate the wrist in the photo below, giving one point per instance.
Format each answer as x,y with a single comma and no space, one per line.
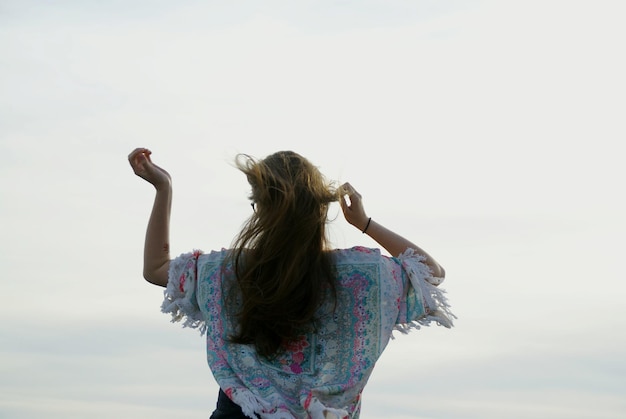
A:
163,186
367,225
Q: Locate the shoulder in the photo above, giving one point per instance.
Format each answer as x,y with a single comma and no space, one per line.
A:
367,262
359,254
213,261
214,256
192,263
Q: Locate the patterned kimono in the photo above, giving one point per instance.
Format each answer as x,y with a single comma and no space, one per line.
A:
322,373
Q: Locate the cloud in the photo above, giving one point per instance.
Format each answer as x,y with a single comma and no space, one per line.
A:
486,134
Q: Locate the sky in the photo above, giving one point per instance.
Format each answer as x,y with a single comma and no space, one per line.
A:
485,131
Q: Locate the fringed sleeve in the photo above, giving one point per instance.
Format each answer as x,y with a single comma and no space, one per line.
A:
423,301
180,293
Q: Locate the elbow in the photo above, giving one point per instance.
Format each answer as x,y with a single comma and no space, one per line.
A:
154,279
157,274
148,276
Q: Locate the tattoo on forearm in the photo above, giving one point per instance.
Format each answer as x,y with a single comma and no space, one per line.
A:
166,247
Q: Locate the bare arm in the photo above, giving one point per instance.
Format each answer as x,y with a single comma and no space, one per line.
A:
156,251
392,242
156,255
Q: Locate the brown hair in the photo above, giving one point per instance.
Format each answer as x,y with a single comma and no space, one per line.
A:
281,257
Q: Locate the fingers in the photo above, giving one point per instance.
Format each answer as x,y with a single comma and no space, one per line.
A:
352,194
139,153
348,189
352,206
136,152
345,190
140,161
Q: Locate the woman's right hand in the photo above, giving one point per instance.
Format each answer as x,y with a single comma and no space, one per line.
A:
353,207
143,167
392,242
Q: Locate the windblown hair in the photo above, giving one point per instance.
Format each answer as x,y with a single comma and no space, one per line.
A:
281,257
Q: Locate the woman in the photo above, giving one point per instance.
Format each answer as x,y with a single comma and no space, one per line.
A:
293,327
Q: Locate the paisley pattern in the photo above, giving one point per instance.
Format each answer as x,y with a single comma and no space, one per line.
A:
322,373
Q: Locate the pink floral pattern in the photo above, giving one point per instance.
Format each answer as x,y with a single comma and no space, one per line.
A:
325,371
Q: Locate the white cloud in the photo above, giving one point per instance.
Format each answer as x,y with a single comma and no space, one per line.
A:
488,134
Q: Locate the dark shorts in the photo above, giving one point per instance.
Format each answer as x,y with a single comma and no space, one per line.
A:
227,409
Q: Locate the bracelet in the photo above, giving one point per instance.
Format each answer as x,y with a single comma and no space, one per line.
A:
368,224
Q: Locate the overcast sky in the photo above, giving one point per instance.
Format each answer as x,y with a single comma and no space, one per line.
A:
485,131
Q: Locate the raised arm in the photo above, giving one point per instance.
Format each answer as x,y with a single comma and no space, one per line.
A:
156,254
392,242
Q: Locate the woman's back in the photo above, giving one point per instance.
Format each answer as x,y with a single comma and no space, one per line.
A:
326,368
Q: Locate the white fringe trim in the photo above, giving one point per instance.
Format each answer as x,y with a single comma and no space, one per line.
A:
317,410
181,304
435,303
251,406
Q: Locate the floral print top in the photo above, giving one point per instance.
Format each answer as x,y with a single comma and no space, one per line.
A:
321,374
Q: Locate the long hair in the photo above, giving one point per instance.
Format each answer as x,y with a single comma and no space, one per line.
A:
280,257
